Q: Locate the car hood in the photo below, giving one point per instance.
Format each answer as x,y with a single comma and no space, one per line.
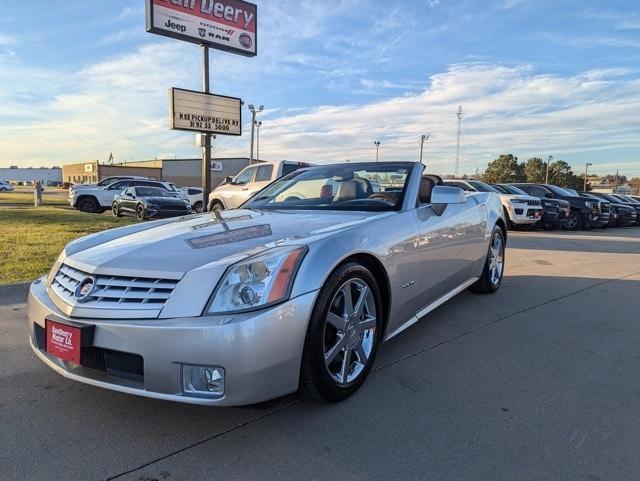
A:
169,249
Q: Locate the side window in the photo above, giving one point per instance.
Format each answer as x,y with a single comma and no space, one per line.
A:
245,176
538,192
194,191
118,185
264,173
288,168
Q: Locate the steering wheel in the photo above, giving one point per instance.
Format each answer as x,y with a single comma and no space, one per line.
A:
386,196
292,198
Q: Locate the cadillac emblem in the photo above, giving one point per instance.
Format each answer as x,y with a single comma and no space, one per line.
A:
85,289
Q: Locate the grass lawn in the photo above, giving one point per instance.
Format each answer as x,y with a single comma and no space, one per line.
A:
31,239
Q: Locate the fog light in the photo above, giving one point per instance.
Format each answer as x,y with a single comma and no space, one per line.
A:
203,381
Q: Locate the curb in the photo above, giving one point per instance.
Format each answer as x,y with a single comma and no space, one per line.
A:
14,293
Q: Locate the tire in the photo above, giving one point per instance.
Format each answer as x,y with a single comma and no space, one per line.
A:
574,222
115,210
87,204
329,335
197,207
491,278
216,206
140,212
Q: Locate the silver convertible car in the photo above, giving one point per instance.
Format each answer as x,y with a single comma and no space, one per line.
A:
297,289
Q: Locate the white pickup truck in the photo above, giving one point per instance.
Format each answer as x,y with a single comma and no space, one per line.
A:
251,179
99,199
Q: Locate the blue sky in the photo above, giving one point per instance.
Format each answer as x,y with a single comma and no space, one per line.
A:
81,79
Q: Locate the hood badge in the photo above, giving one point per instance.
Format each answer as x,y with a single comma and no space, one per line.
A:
84,289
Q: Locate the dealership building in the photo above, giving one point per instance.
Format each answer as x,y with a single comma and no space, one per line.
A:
182,172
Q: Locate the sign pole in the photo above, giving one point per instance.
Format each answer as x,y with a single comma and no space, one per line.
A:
206,144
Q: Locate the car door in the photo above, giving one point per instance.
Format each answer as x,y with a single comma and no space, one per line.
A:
450,246
237,192
108,194
128,202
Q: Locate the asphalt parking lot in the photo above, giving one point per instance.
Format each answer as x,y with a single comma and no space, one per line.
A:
540,381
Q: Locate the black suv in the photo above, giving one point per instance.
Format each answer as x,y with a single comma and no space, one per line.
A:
625,214
585,211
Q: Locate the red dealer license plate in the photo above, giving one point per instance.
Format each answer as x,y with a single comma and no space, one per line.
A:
63,341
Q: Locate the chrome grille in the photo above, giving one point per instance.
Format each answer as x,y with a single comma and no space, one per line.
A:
534,202
113,291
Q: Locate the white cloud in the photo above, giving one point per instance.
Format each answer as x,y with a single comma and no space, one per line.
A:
7,40
119,105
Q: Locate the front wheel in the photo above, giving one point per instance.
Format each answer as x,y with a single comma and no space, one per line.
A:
343,335
574,222
197,207
115,210
140,212
491,277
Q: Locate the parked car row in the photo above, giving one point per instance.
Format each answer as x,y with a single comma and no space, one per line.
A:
550,206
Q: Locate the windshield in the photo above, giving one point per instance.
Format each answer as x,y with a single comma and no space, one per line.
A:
152,192
512,189
558,191
358,186
481,186
573,192
500,188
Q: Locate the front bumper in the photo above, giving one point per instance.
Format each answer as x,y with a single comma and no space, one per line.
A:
261,351
555,216
523,214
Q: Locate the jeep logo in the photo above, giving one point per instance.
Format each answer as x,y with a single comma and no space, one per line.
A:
175,26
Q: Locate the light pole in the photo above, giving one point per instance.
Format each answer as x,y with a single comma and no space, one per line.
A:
423,138
546,175
586,170
258,125
377,144
253,111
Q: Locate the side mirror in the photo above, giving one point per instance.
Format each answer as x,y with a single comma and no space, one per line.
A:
228,179
442,194
129,194
548,195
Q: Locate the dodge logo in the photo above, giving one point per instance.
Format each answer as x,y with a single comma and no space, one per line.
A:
85,289
202,32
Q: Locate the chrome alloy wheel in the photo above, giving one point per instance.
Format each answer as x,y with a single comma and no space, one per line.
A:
496,257
349,331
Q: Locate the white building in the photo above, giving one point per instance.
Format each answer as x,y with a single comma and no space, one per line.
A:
29,175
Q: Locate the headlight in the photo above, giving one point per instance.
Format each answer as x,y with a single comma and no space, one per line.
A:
257,282
518,201
591,204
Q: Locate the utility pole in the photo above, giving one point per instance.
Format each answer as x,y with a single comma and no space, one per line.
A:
586,170
616,187
423,139
377,144
206,145
546,175
253,124
258,125
460,115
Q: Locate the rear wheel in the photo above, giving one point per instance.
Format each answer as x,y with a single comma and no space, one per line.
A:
343,335
87,204
491,277
197,207
140,212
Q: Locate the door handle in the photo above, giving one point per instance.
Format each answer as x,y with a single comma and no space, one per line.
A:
246,188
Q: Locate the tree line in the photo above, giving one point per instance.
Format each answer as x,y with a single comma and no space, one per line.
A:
507,168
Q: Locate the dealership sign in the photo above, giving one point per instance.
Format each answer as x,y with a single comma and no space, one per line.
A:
229,25
206,113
